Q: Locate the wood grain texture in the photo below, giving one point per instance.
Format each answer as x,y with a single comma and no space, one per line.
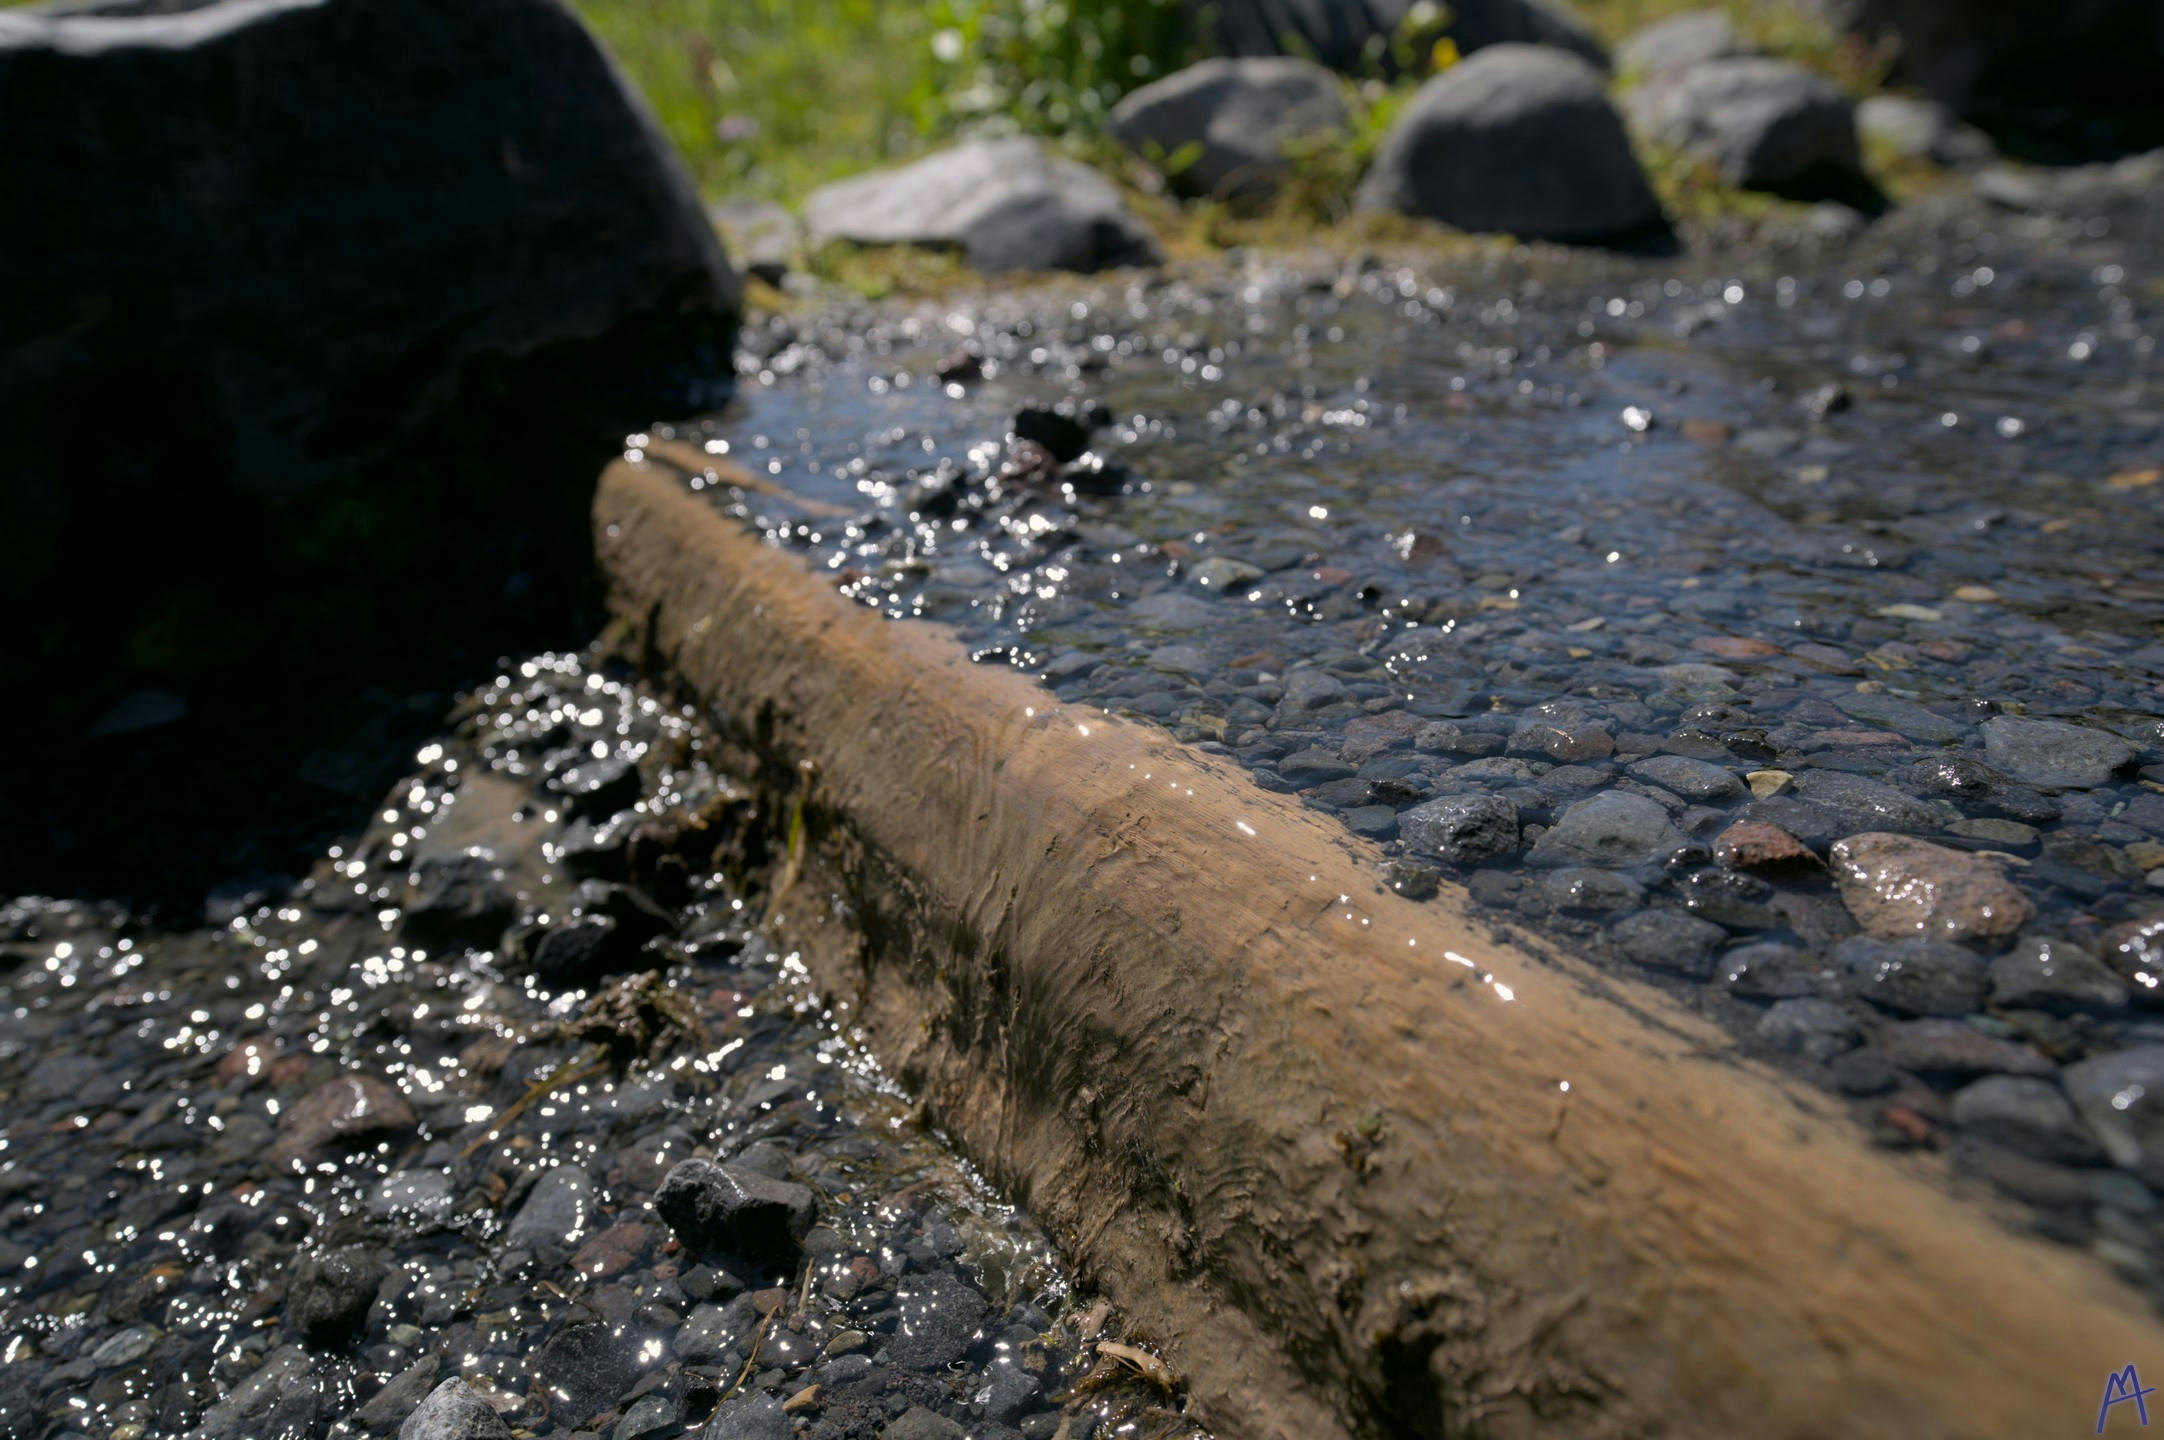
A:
1313,1136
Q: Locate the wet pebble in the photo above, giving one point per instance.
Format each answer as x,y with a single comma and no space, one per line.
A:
734,1210
1812,1028
1461,829
1611,829
1913,977
2031,1116
2054,754
454,1411
1897,886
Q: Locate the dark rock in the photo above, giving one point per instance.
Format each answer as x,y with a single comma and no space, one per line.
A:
1858,803
2056,755
458,900
1815,1029
749,1415
1354,35
347,1113
597,788
940,1318
918,1423
1692,779
555,1215
1764,124
1770,971
2030,1116
1414,882
2135,949
2120,1097
1610,829
1913,977
1231,119
711,1331
328,1297
1006,204
1948,1048
579,953
454,1411
1062,428
1590,891
589,1364
1012,1393
2085,867
2055,976
1460,829
401,1396
730,1210
1667,940
1520,139
1903,717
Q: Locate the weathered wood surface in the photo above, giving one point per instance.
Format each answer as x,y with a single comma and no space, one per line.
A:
1315,1137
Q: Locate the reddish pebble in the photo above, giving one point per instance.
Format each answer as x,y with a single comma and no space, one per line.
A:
1859,737
1913,1127
1951,651
1333,575
1706,432
612,1252
1756,845
1735,647
250,1059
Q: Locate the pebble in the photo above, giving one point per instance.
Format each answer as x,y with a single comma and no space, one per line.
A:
1913,977
915,1423
400,1395
1862,803
2054,976
2135,949
749,1415
1460,829
1692,779
1903,717
328,1297
454,1411
2120,1097
1583,889
1667,940
1757,845
1816,1029
2054,754
1611,829
555,1213
1951,1048
2031,1116
734,1210
348,1112
1897,886
940,1318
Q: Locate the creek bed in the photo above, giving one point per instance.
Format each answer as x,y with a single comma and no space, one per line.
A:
285,1175
1621,592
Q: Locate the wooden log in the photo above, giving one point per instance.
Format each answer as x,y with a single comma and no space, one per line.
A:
1360,1167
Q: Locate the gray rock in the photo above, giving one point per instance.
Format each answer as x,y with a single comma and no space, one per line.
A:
1903,717
328,1297
1770,971
125,1348
400,1396
458,900
284,1370
649,1416
1311,690
940,1318
1678,42
1913,977
1566,742
1764,124
710,1331
556,1213
347,1112
2054,754
1012,1393
1460,829
2055,976
422,1197
762,236
918,1423
1233,118
1610,829
1597,892
1950,1048
748,1415
2120,1097
2030,1116
1519,139
454,1411
1354,35
1669,940
733,1210
1815,1029
1858,803
1692,779
1006,204
1923,130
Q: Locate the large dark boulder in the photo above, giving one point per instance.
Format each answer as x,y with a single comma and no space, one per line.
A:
1519,139
1359,35
320,316
2065,80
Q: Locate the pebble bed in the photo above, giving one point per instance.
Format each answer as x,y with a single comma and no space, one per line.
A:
1789,636
506,1122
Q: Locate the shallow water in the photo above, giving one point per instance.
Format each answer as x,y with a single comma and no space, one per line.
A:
283,1175
1785,540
